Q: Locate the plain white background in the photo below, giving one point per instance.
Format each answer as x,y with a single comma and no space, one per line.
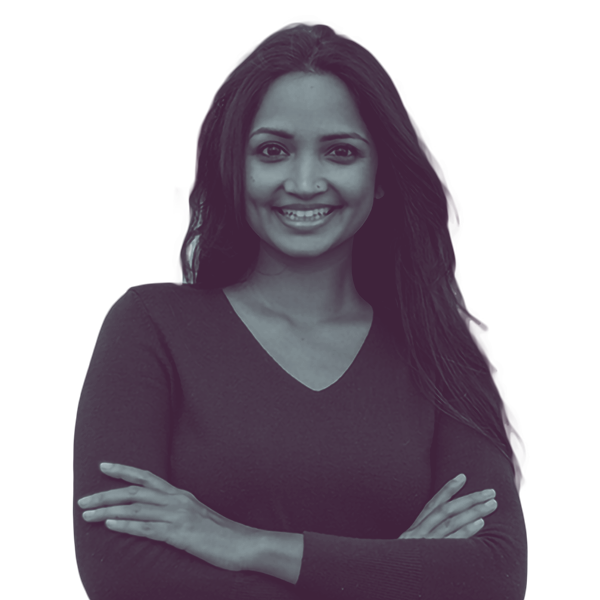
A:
36,298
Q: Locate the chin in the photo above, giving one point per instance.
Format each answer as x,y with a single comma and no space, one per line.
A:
300,253
307,252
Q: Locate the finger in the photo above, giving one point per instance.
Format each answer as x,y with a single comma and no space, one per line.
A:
148,529
128,512
454,507
468,530
448,490
124,495
137,476
460,517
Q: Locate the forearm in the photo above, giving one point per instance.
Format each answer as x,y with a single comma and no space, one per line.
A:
131,568
278,554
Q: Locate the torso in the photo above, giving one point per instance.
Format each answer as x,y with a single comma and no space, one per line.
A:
245,430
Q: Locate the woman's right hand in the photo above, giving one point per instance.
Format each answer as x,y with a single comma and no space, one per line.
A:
460,518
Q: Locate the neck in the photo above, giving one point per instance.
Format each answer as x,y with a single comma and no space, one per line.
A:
306,291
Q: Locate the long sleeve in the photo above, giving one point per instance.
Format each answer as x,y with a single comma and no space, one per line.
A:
177,385
124,416
491,565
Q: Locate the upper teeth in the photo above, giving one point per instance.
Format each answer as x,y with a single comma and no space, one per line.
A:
306,213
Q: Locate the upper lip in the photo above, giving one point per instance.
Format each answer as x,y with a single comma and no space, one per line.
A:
305,206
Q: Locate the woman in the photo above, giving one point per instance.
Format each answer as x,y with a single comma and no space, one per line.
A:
297,420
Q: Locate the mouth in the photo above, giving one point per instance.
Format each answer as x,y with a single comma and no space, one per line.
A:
303,216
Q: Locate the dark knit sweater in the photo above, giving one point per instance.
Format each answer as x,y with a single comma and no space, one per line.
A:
178,385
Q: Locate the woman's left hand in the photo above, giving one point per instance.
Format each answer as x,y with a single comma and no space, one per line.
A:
154,509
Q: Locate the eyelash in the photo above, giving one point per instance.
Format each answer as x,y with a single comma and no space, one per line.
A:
354,151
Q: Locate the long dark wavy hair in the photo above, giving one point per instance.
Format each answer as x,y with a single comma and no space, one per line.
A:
403,260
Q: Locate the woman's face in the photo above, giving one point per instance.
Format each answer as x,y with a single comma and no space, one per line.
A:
310,166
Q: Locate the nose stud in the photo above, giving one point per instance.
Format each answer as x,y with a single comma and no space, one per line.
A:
291,187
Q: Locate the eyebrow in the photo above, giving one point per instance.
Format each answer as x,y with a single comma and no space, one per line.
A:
326,138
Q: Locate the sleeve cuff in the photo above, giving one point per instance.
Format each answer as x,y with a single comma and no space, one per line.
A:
341,567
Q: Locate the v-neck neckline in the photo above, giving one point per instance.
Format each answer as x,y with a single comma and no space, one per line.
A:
254,340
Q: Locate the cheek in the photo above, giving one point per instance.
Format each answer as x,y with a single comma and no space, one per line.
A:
249,181
357,187
256,195
259,185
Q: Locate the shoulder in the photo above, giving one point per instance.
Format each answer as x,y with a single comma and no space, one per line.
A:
156,296
170,303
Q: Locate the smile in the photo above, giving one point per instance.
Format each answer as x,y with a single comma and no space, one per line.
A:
312,215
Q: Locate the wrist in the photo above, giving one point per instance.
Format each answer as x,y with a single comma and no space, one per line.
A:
275,553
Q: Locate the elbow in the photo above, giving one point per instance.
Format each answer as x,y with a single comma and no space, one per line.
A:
507,576
476,570
103,580
110,568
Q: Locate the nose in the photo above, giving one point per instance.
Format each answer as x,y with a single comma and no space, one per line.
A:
305,179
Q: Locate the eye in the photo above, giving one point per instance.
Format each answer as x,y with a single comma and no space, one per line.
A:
272,151
346,151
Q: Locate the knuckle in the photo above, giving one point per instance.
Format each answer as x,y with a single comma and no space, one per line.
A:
133,490
445,526
472,500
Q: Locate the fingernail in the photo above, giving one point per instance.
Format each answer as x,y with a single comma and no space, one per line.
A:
491,504
106,465
88,514
489,493
460,478
83,502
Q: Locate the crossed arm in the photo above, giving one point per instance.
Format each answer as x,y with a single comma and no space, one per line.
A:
153,508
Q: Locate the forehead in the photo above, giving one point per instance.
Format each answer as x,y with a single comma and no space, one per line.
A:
307,102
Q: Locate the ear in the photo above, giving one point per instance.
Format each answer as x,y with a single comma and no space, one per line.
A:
379,192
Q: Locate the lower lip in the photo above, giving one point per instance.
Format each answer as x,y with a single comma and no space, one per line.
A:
300,224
